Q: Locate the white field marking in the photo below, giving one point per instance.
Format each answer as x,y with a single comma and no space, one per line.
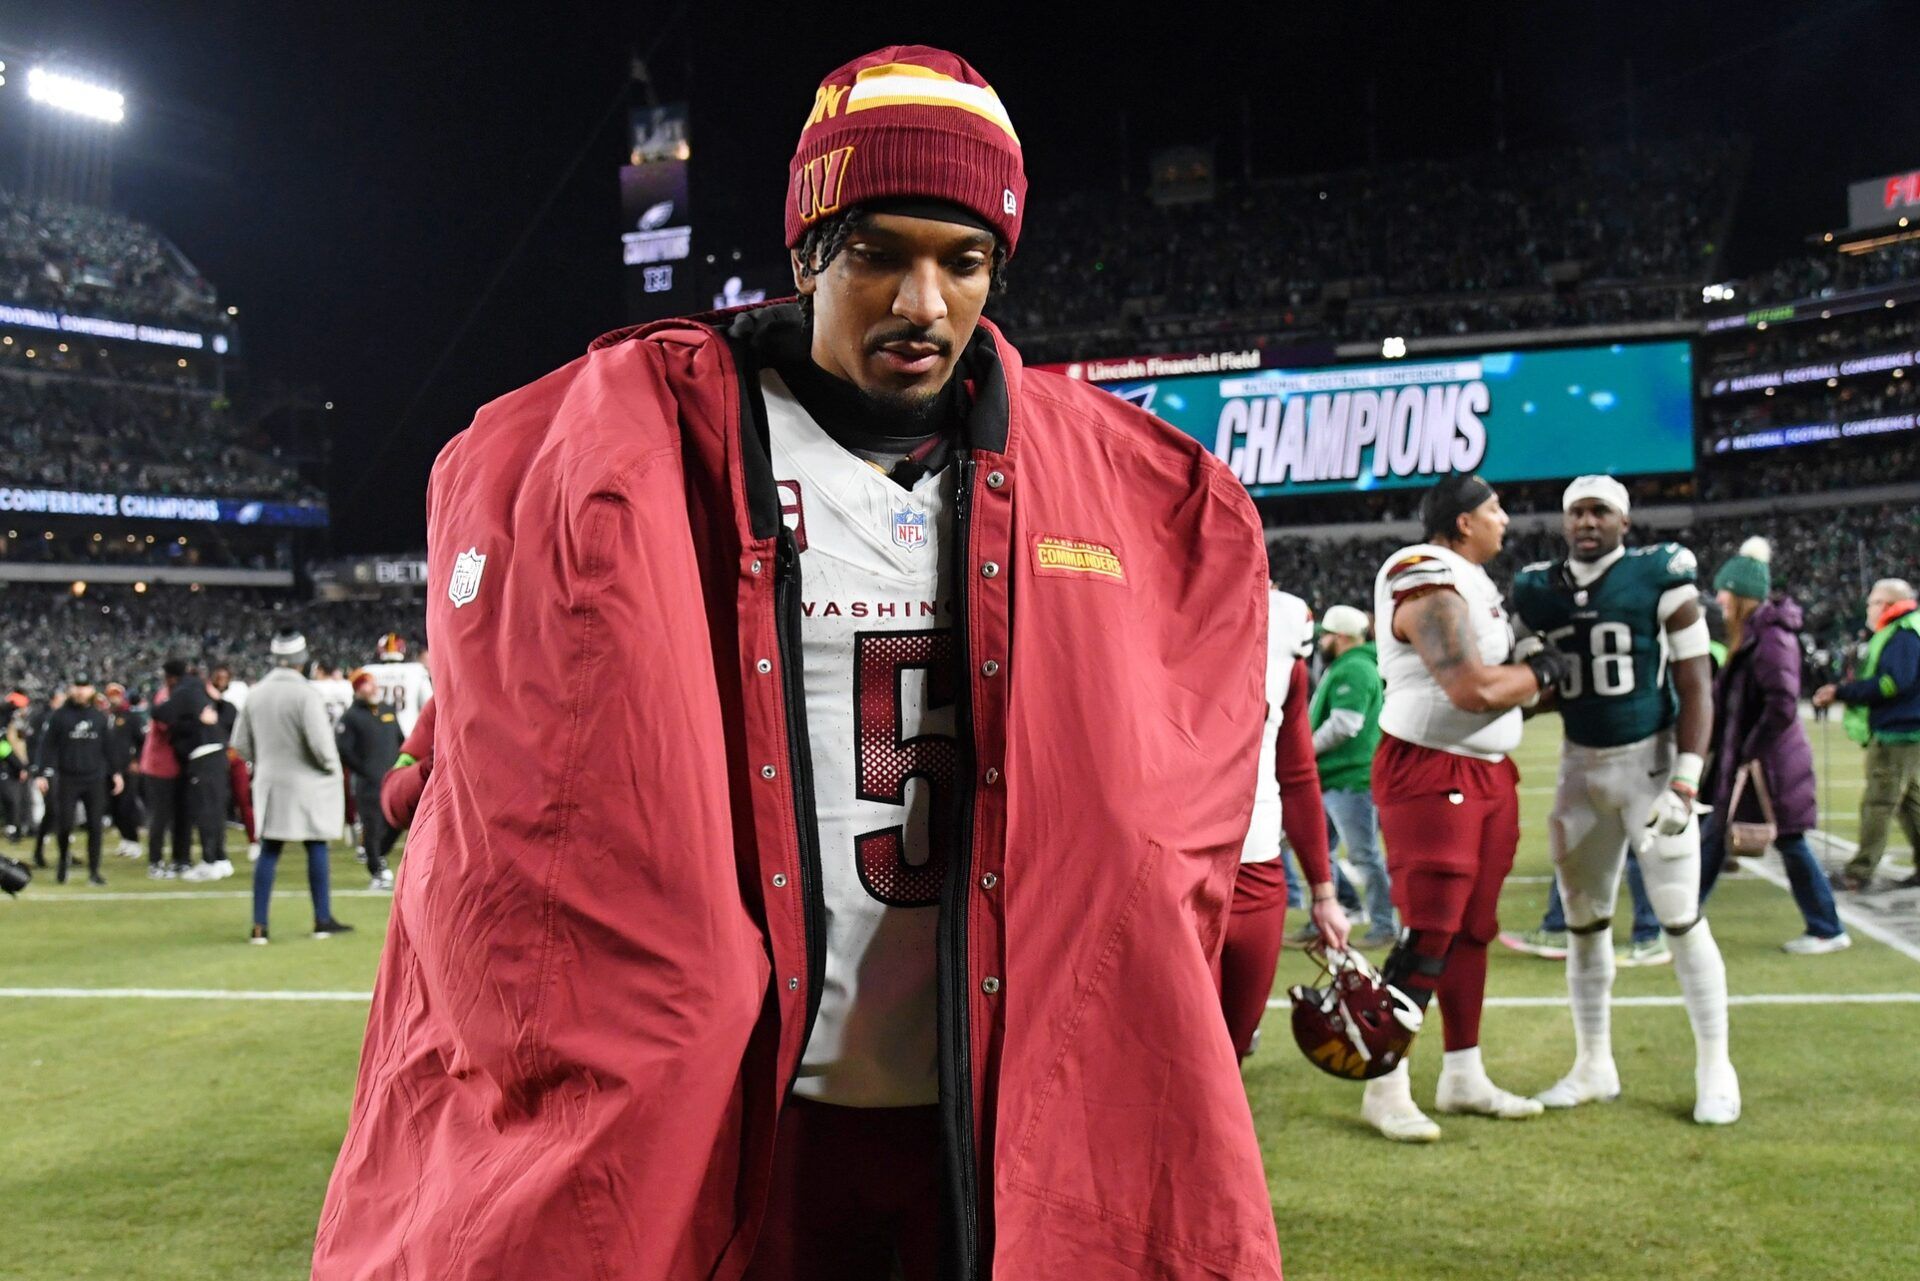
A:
1666,1002
1529,880
173,994
1765,870
162,896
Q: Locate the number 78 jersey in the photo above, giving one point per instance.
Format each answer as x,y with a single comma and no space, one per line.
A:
1617,691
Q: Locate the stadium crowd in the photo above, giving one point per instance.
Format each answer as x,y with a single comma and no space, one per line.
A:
1493,242
1851,400
1748,351
98,434
1811,469
48,633
1824,275
60,255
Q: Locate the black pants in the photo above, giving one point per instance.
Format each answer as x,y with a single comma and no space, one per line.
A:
61,799
166,815
377,836
125,811
19,810
207,803
46,830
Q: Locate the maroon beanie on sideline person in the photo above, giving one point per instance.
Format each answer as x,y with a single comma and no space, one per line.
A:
907,120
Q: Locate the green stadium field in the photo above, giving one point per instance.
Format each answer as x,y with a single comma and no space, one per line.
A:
163,1131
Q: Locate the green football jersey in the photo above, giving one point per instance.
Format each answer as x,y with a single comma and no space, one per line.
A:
1618,690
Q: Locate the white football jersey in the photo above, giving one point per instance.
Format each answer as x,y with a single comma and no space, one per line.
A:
1417,710
406,685
1289,638
877,650
336,695
236,693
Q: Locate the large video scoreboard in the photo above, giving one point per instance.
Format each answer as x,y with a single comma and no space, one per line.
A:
1621,409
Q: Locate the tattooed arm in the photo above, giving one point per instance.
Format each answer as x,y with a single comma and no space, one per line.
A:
1435,623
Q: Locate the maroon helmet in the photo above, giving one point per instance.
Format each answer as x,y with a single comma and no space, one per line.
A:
1357,1026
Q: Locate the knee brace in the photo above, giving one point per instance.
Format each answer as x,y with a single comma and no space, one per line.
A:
1592,927
1675,931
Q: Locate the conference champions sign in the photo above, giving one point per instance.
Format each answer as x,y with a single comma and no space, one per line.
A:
1622,409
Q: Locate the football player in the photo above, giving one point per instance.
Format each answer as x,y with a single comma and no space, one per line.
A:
1286,796
1637,704
405,685
1448,795
336,691
834,818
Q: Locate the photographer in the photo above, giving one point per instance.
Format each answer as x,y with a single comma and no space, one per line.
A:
76,768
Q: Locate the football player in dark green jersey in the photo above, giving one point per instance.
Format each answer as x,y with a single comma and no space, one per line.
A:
1637,706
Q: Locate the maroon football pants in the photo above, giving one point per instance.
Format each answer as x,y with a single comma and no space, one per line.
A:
240,786
853,1190
1251,952
1451,825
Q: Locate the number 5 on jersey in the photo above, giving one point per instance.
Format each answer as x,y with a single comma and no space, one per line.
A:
903,682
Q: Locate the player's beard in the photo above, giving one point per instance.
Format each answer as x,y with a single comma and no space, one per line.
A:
916,407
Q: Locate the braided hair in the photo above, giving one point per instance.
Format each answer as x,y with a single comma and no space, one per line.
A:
825,239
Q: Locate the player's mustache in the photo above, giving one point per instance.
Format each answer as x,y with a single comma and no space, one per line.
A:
912,334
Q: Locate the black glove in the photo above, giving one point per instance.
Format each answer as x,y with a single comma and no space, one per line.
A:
1549,667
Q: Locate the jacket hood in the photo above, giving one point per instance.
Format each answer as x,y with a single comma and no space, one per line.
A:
1783,612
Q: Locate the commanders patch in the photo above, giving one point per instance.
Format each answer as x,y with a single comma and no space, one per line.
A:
1057,557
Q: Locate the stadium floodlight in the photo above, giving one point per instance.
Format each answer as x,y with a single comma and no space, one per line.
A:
1393,348
97,102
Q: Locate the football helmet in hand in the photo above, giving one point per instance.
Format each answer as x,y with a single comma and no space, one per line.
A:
1356,1026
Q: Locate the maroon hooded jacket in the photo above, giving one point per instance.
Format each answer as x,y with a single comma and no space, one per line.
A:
606,953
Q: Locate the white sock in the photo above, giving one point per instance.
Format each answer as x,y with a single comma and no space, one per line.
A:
1463,1063
1703,987
1590,992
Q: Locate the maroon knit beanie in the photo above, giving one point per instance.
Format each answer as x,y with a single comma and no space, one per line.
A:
907,120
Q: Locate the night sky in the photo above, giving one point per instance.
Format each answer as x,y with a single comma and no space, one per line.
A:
353,179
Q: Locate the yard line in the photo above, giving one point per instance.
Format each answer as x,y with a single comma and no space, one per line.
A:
175,994
1853,919
1665,1002
161,896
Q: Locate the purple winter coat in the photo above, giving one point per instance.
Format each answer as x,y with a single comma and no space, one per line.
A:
1756,702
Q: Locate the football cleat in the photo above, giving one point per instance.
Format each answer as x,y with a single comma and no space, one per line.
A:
1357,1026
1587,1083
1716,1094
1471,1093
1387,1105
